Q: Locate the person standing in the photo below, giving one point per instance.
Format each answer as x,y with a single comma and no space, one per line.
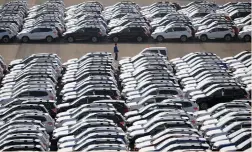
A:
116,51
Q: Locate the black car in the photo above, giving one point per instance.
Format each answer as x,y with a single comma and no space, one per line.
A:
138,34
87,33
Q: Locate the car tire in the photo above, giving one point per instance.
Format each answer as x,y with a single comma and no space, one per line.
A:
115,39
94,39
247,38
160,38
183,38
49,39
228,38
203,106
203,38
70,39
6,39
139,39
25,39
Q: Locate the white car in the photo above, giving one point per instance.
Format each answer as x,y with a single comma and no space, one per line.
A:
38,33
6,35
245,34
172,32
218,32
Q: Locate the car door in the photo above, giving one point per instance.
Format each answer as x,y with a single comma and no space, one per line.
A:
79,34
35,34
87,33
136,31
214,33
223,32
93,32
125,34
44,33
2,32
169,33
177,32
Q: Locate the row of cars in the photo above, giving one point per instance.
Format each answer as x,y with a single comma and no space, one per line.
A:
241,65
28,103
44,22
160,117
3,68
227,126
87,104
91,114
128,21
12,16
207,79
204,21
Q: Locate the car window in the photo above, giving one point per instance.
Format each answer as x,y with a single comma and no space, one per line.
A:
36,30
170,92
126,30
42,119
2,31
135,29
186,104
228,92
179,29
81,30
163,52
214,30
24,94
223,29
153,51
46,30
38,93
169,30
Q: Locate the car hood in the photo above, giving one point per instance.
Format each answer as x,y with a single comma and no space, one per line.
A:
17,61
24,31
158,30
68,31
113,32
200,32
202,27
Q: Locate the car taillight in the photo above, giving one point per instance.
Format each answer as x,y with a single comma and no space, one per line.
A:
117,97
126,110
122,123
193,121
55,110
196,108
51,97
55,33
100,33
50,123
135,149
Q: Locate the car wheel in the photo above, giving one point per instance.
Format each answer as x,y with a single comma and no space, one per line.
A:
203,106
139,39
25,39
49,39
116,39
183,38
94,39
247,38
6,39
203,38
160,38
70,39
227,38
